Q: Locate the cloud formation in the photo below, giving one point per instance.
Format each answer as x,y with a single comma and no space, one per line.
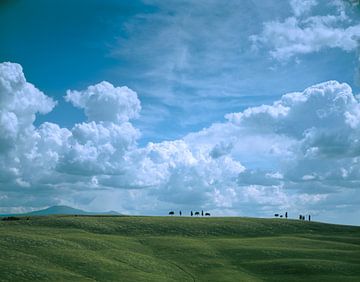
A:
20,101
301,7
121,103
301,154
304,34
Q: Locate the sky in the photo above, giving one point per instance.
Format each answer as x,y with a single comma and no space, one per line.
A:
239,108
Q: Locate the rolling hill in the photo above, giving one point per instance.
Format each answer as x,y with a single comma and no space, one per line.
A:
116,248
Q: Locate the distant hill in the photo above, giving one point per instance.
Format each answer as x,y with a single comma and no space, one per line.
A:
57,210
65,210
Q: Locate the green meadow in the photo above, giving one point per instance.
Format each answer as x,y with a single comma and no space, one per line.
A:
125,248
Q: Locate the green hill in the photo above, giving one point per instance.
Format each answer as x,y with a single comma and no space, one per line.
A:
120,248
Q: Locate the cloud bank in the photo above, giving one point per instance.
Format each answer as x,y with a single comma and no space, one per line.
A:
300,153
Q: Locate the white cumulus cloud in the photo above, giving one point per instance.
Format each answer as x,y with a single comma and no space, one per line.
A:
299,34
104,102
301,153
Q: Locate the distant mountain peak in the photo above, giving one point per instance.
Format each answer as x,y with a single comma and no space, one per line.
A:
61,209
66,210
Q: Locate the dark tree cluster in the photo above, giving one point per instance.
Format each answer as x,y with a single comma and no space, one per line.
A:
302,217
192,213
280,215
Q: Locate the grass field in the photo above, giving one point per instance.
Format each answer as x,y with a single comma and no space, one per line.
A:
120,248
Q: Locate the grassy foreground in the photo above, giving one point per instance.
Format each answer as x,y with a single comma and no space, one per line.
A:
115,248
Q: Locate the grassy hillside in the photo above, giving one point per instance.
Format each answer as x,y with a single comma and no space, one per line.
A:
114,248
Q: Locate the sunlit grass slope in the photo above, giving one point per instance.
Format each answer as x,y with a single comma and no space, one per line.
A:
115,248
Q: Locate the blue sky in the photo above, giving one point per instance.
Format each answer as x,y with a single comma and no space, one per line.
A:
189,64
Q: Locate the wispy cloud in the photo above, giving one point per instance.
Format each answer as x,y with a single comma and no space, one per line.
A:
192,54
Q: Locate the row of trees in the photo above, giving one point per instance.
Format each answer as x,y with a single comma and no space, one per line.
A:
192,213
301,217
